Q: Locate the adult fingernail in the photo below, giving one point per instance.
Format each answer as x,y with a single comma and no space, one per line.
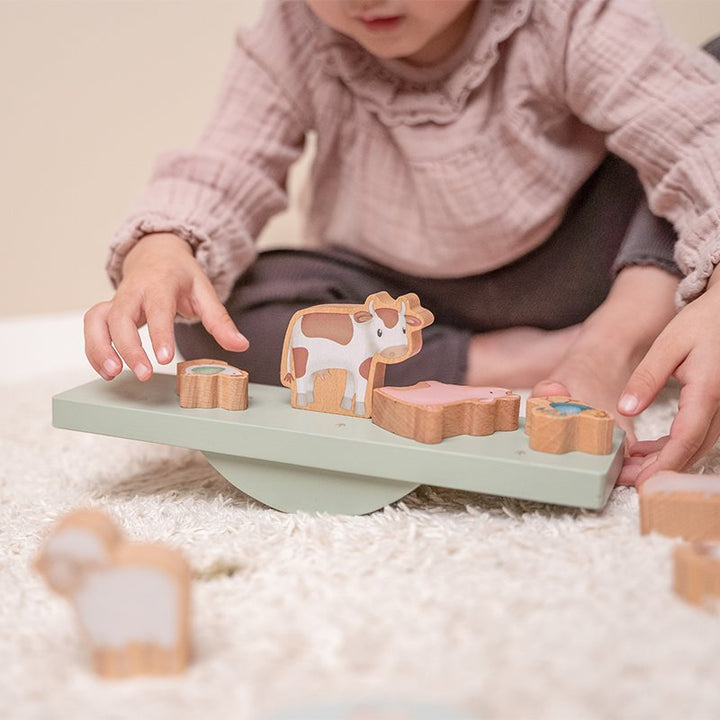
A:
628,403
163,354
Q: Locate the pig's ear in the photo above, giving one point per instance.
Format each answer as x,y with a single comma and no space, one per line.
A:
362,316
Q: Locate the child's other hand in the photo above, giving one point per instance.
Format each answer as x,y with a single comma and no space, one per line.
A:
689,350
612,341
161,280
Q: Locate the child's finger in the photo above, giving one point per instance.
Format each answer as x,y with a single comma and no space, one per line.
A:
629,471
649,377
711,438
688,433
98,344
125,337
217,321
160,315
642,448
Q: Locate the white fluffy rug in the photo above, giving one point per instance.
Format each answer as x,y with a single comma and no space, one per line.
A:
495,608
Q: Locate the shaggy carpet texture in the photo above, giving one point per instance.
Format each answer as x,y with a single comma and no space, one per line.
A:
489,607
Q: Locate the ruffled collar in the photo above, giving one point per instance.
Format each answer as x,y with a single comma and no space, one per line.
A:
399,93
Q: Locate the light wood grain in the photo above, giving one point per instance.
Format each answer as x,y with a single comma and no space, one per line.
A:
551,430
395,410
227,389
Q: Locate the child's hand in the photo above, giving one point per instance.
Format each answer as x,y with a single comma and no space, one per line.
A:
161,280
689,349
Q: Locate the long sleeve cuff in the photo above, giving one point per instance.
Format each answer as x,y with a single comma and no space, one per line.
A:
697,254
221,263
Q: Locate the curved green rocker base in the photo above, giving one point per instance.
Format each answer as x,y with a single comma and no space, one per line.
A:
294,459
292,488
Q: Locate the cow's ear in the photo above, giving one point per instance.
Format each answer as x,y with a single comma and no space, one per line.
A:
412,320
362,316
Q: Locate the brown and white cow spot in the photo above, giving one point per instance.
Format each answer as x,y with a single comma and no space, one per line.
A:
332,326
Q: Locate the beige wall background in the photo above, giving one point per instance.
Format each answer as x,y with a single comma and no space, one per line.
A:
92,90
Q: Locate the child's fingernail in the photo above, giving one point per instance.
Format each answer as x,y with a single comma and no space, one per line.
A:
110,367
141,370
163,354
628,403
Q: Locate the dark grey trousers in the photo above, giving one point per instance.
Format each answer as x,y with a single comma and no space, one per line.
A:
607,226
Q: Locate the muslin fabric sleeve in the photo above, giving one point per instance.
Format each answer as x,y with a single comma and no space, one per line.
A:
658,101
219,194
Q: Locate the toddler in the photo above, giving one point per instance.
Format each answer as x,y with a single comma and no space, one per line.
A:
532,169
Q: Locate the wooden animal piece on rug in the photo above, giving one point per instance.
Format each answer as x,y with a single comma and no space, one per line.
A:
430,411
210,384
335,355
559,424
132,600
697,573
682,505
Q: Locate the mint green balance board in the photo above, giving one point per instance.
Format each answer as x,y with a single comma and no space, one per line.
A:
293,459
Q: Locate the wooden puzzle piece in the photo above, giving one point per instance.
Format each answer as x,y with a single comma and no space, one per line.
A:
697,573
559,424
132,600
682,505
430,411
210,384
335,355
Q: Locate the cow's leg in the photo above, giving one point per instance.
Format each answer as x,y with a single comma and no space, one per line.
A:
346,403
360,390
310,391
301,393
301,371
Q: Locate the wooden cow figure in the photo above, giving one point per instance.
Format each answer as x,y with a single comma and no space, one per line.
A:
358,340
131,599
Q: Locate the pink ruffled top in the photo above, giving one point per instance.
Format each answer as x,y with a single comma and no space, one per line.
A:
451,170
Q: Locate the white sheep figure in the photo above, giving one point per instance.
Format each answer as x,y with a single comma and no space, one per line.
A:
132,599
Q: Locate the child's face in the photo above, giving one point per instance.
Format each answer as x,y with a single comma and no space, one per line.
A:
420,31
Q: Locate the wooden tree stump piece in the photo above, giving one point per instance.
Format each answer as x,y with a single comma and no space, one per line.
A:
559,424
430,411
682,505
210,384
